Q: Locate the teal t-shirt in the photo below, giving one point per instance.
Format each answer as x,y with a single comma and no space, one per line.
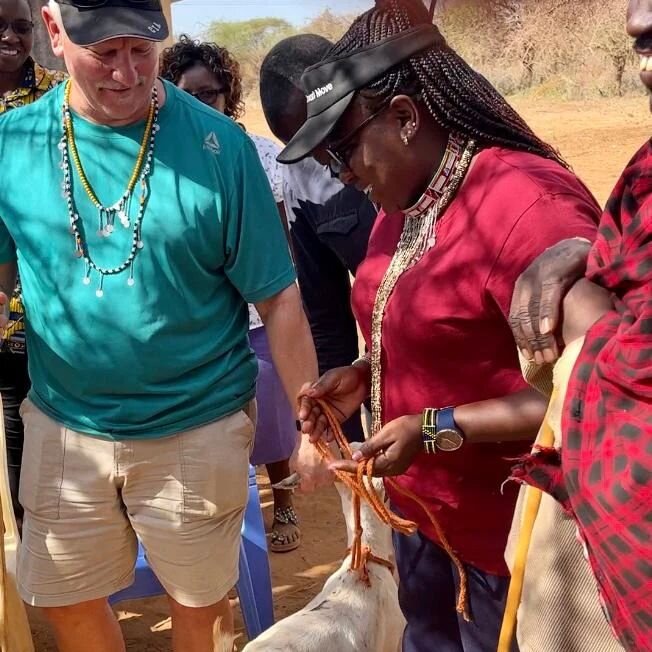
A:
170,352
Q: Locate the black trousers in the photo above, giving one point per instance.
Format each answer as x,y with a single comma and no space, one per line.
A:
14,385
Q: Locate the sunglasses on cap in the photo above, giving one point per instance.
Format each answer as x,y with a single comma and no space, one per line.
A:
19,27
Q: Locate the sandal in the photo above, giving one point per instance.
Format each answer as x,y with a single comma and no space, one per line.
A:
286,535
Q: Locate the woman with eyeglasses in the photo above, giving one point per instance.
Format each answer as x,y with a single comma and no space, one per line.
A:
469,196
22,81
209,73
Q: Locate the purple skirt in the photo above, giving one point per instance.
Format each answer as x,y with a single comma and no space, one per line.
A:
276,433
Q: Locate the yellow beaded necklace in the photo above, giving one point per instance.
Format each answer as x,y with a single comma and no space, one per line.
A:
142,172
74,154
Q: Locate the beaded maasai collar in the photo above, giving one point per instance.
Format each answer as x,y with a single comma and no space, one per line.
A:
418,236
436,187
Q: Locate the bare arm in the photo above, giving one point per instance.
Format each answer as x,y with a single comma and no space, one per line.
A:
509,418
295,359
583,305
290,341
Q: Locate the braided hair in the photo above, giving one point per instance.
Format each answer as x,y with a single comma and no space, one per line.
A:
459,98
187,53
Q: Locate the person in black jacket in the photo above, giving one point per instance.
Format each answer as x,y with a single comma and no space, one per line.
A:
330,223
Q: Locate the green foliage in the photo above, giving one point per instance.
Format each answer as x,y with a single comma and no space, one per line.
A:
249,41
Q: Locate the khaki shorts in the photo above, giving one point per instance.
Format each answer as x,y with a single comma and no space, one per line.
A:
86,499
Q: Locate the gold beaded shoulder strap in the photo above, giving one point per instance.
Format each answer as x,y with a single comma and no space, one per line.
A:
418,235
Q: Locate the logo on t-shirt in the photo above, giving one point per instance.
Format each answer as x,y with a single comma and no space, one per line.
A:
212,144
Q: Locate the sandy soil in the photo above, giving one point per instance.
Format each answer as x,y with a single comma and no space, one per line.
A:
597,138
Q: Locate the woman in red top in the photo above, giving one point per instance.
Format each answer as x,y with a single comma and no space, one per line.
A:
469,196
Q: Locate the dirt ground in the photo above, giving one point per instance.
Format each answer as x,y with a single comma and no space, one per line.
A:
597,138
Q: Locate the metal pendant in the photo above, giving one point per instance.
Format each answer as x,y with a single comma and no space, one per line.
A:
124,218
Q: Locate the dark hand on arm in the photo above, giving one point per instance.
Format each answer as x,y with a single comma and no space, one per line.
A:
538,294
516,417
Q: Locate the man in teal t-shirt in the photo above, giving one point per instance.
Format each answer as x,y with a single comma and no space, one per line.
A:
142,224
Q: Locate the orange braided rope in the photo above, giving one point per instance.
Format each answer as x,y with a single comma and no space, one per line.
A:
365,490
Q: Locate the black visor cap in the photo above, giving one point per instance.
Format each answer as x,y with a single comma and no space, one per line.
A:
331,84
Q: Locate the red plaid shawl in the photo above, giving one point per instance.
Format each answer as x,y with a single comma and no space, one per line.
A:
606,460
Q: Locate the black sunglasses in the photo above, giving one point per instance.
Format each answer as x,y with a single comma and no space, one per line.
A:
339,157
18,27
208,96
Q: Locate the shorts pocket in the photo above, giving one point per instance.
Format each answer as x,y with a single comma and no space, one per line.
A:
42,464
250,412
215,467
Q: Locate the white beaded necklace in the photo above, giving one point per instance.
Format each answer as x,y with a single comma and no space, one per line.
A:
106,214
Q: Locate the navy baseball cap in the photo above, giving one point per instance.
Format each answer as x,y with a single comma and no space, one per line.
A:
89,22
331,84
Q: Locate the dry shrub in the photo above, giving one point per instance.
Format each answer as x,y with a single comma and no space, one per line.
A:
565,49
558,48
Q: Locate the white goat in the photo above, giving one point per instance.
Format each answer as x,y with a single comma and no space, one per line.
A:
348,615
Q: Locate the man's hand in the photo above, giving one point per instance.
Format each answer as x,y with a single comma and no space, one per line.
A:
394,448
309,465
538,296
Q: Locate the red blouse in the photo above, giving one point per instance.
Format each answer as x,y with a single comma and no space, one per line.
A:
446,340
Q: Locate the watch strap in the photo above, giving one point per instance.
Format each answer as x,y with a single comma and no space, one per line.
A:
445,419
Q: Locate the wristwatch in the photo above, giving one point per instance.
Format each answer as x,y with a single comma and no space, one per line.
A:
440,432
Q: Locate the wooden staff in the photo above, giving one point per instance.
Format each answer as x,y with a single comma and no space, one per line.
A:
15,633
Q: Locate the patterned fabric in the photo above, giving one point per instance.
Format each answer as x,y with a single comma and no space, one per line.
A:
267,150
604,475
36,81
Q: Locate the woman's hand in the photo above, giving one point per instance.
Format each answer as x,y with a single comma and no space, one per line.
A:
538,295
394,448
344,389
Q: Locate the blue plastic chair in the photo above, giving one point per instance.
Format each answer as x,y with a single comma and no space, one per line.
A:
254,585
